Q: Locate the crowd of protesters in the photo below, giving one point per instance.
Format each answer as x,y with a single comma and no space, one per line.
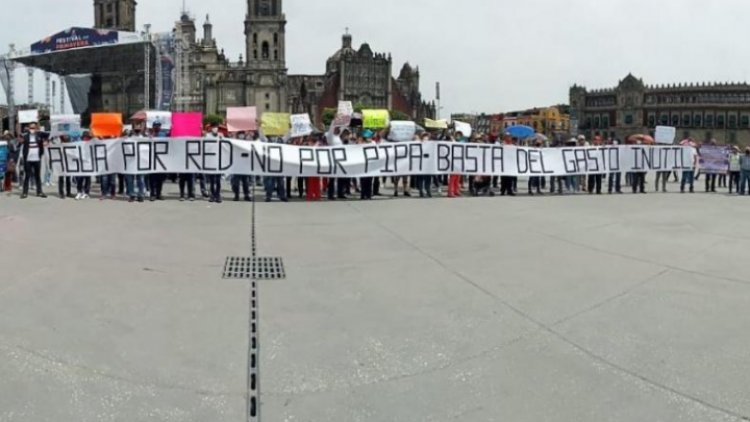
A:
26,167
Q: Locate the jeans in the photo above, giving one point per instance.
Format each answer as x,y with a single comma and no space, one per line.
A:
276,184
639,182
214,182
245,182
36,168
535,183
133,182
688,178
711,182
108,185
187,180
83,185
664,177
745,180
423,185
615,182
595,183
156,182
734,181
64,185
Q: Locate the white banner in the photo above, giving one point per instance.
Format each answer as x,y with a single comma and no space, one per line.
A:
226,156
301,125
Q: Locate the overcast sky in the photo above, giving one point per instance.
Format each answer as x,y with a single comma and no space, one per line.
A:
489,55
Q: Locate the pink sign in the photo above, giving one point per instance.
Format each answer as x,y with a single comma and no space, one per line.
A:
187,124
242,119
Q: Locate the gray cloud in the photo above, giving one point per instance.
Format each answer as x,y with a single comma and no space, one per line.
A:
489,55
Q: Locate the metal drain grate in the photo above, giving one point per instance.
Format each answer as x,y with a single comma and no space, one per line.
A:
259,268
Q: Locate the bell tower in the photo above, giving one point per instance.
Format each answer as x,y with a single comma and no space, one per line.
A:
265,41
115,14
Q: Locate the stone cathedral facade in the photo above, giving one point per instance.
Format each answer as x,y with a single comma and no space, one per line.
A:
208,81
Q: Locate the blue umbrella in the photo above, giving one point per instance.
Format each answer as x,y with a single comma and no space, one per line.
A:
520,131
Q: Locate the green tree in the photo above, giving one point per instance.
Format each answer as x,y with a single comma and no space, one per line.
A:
328,115
212,119
398,115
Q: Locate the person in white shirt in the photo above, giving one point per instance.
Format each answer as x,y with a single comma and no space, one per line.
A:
32,150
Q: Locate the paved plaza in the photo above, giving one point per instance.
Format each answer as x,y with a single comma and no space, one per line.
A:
576,308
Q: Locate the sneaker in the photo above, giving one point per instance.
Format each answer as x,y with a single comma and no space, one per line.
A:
131,199
79,197
41,195
191,199
140,199
182,199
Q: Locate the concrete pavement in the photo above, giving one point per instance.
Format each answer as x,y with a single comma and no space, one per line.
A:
574,308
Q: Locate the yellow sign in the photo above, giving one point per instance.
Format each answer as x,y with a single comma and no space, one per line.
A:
375,119
435,124
274,124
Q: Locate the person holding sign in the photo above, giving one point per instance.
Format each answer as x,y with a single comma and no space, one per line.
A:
32,151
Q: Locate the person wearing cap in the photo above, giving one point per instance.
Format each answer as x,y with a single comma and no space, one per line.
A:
32,151
745,172
734,170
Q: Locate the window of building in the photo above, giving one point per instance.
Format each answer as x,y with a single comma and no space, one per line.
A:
629,119
664,119
265,50
109,7
697,120
686,120
733,122
605,122
275,39
652,121
110,22
710,121
675,120
745,121
255,38
597,122
268,96
268,106
720,121
255,54
276,54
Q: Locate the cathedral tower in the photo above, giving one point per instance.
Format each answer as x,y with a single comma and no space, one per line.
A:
265,40
115,14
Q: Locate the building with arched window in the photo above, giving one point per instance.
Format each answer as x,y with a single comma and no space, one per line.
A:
701,111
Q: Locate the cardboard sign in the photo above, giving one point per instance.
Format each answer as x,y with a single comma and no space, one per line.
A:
435,124
462,127
301,125
187,124
65,124
665,135
375,119
402,131
242,119
275,124
28,116
163,117
106,124
344,114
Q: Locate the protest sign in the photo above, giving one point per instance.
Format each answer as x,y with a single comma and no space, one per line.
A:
3,158
714,159
375,119
28,116
402,131
301,125
462,127
106,125
275,124
228,156
344,114
187,124
65,124
435,124
162,117
665,135
242,119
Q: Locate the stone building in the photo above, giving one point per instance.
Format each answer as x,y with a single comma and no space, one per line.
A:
701,111
206,80
115,14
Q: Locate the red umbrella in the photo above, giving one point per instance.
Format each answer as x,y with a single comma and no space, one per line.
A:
644,139
688,143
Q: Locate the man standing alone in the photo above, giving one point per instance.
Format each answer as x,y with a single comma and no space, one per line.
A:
32,150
